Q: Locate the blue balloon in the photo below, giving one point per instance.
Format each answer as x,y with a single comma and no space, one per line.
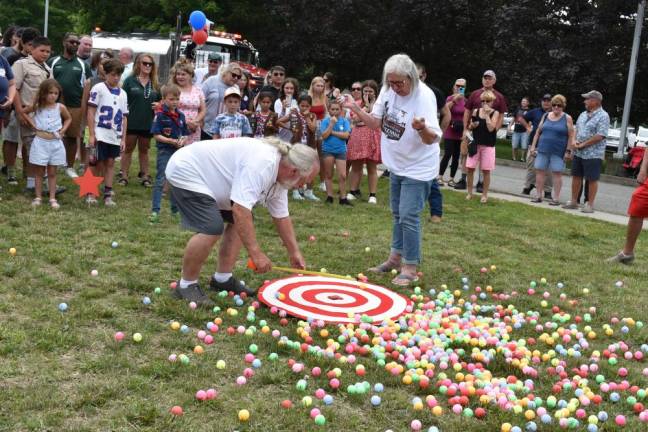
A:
197,19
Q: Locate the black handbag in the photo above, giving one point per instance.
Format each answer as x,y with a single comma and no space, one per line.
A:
457,126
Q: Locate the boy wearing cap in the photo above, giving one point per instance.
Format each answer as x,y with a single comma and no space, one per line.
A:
591,130
231,123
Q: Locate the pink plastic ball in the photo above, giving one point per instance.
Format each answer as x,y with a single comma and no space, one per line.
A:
201,395
241,380
209,339
316,371
320,393
201,334
173,285
315,412
623,372
416,425
119,336
211,394
334,383
248,373
193,305
249,358
173,358
276,333
620,420
298,367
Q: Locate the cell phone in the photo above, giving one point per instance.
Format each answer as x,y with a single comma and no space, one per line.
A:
462,91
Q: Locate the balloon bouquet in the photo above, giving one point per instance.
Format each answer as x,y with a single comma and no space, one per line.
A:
199,27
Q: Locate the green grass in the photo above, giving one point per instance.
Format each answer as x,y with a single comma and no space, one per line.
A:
63,371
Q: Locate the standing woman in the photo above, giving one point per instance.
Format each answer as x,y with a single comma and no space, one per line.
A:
247,95
142,90
286,106
553,141
456,104
364,143
192,99
316,92
330,90
484,128
406,113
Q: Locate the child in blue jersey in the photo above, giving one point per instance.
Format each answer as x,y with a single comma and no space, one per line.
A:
107,112
335,131
231,123
169,129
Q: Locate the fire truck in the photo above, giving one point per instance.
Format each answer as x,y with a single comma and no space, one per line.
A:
233,48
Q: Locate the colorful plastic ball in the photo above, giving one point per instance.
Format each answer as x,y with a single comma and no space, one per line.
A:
94,272
12,251
367,249
209,339
531,426
176,410
146,301
137,337
241,380
244,415
193,305
114,244
320,420
592,428
220,364
119,336
211,394
184,329
184,359
62,307
328,399
416,425
286,404
619,284
320,393
173,358
620,420
201,395
375,400
307,401
157,290
173,285
315,412
198,349
379,388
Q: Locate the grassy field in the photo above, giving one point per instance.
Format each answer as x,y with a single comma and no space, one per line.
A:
63,371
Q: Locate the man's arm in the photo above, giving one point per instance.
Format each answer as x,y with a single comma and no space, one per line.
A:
245,228
287,234
643,170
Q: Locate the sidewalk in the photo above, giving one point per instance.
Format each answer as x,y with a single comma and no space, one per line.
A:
612,199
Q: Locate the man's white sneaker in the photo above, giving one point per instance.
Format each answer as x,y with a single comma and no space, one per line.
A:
373,200
309,195
322,187
297,196
350,196
71,173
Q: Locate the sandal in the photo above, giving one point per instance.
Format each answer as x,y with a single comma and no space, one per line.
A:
404,279
536,200
36,202
54,204
147,182
123,181
384,268
468,197
483,200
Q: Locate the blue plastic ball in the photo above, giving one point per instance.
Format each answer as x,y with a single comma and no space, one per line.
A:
146,301
184,329
256,363
328,399
375,400
531,426
602,416
379,388
62,307
546,419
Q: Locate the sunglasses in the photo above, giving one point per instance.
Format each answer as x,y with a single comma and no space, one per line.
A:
326,80
147,64
487,77
214,61
556,105
487,101
236,76
356,89
278,74
73,42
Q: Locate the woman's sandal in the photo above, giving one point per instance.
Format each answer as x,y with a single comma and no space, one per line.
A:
483,200
147,182
404,280
384,268
54,204
123,181
36,202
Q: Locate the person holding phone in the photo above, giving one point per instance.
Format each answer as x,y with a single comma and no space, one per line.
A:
456,104
364,144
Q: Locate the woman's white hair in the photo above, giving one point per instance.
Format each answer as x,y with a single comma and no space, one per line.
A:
229,67
400,64
300,156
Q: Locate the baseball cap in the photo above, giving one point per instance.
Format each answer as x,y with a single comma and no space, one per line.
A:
546,96
232,91
214,56
593,94
490,73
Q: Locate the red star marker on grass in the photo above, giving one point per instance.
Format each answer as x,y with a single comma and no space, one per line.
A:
88,183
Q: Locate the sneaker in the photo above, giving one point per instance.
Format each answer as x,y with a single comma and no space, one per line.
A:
570,205
90,199
527,190
460,185
621,258
587,209
297,196
480,187
108,202
231,284
71,173
344,201
322,187
350,196
536,200
329,200
385,174
155,217
12,180
356,193
193,293
309,195
372,200
451,183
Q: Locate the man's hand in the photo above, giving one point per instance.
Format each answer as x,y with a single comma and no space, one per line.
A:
261,262
418,123
297,260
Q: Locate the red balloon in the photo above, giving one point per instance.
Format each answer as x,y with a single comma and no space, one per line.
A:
199,36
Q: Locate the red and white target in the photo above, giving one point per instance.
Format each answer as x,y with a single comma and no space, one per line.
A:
333,300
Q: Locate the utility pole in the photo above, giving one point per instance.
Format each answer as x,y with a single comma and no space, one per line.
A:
46,18
631,79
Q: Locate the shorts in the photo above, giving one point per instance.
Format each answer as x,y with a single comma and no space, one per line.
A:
74,131
520,140
12,131
549,162
107,151
588,168
485,157
337,156
140,133
639,203
199,212
47,152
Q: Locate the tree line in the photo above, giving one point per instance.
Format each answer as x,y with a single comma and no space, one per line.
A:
535,46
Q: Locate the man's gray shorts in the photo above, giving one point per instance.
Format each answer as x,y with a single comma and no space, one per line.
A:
199,212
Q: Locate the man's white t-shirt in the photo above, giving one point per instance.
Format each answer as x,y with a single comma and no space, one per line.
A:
401,147
242,170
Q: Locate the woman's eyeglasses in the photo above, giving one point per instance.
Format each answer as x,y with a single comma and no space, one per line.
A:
356,89
556,105
235,76
278,74
147,64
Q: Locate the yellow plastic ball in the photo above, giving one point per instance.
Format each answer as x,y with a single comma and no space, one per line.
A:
244,415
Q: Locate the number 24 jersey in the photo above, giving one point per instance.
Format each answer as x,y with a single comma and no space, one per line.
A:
112,108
